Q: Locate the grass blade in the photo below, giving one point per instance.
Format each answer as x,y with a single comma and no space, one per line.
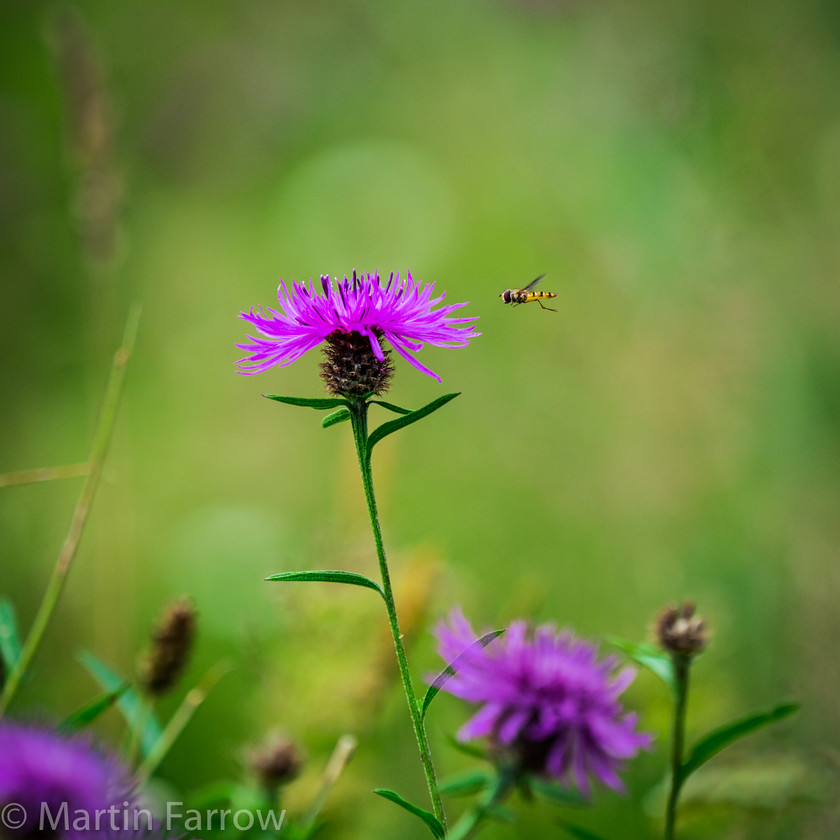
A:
9,640
134,710
88,713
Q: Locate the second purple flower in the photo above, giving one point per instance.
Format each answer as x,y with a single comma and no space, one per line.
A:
548,705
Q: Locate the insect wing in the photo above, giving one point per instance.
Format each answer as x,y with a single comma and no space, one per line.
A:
533,284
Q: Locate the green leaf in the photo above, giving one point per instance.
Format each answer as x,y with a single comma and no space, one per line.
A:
449,671
650,657
329,576
137,713
391,407
406,420
770,781
91,711
500,813
467,785
472,750
319,403
337,416
427,816
581,833
715,741
9,639
558,794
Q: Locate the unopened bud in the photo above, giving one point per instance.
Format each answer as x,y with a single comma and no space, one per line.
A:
276,763
680,631
172,642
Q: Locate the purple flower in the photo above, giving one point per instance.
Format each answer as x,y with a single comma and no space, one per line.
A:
402,312
41,770
547,704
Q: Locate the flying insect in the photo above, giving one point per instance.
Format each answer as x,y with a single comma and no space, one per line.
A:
528,295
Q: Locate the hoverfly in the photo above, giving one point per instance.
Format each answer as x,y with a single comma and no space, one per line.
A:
526,295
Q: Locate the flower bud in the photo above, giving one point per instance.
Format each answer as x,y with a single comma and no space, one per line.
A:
680,631
172,642
276,763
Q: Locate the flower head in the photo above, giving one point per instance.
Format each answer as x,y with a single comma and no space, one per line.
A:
41,769
172,642
548,705
401,312
277,762
680,631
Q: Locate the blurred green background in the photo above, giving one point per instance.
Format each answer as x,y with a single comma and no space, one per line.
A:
670,433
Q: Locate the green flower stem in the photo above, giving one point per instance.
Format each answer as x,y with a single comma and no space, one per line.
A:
682,665
101,442
358,418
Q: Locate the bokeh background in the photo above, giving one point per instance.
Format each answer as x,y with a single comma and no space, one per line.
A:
671,432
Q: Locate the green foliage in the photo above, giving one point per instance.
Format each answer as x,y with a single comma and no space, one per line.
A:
88,713
141,720
318,403
9,639
467,784
648,656
427,817
407,419
557,794
391,407
450,670
715,741
340,415
582,833
329,576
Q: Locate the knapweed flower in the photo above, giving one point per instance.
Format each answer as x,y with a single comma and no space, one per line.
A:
548,706
47,780
352,317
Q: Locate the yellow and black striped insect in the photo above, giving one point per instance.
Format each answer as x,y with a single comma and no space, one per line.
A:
527,295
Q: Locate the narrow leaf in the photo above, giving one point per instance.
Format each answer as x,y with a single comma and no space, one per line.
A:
472,750
391,407
581,833
500,813
320,403
134,710
449,671
427,816
9,640
467,785
337,416
407,419
650,657
91,711
557,794
329,576
715,741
